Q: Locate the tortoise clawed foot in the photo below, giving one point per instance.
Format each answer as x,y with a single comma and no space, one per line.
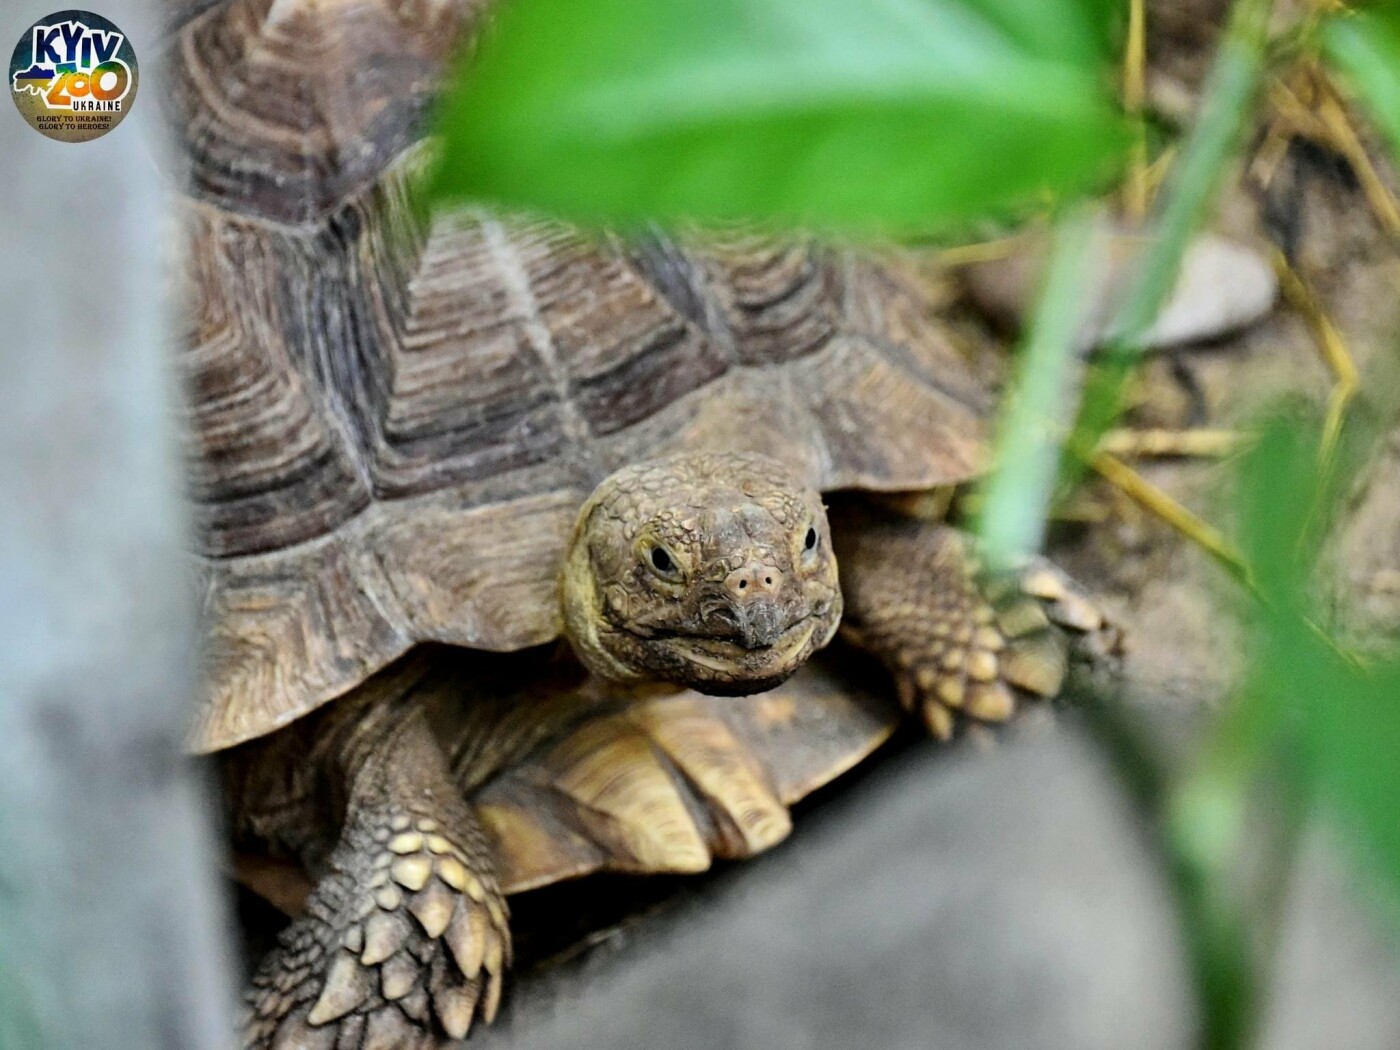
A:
968,649
411,951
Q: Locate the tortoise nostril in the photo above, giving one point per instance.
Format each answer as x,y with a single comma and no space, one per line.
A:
752,581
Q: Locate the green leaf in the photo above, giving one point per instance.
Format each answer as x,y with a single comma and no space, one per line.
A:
1279,487
1306,695
1354,731
1309,724
870,115
1365,46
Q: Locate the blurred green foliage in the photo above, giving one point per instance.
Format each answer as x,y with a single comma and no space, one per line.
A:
1019,491
1365,46
884,115
1331,720
1308,727
1211,144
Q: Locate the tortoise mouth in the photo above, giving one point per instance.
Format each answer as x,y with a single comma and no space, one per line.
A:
732,663
721,667
721,655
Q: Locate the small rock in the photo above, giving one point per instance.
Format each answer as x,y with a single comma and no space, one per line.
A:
1223,287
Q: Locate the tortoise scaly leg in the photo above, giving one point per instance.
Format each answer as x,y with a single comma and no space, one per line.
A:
404,938
960,647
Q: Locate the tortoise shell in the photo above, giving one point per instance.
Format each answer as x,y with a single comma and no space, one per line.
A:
392,422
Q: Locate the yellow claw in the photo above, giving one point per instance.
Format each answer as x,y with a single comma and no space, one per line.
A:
493,998
384,935
412,872
397,977
950,691
991,702
981,666
433,908
455,1004
453,872
347,985
939,721
466,939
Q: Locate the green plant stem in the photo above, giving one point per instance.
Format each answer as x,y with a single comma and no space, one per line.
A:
1017,493
1226,103
1027,452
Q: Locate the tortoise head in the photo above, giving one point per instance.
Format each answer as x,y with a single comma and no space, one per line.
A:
713,571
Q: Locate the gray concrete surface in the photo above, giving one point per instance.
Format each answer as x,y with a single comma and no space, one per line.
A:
956,901
962,902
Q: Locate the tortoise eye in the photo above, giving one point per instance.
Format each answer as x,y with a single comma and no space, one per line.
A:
810,543
663,563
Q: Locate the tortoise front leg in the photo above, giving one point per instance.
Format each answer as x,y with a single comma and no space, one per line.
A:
959,645
404,938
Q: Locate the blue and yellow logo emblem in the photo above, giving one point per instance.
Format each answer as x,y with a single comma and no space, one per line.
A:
73,76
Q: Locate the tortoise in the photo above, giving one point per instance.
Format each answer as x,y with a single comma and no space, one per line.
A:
418,445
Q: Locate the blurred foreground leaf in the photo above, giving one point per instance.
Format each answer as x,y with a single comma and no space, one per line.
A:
1341,718
1308,728
1028,452
1365,46
879,115
1353,735
1308,707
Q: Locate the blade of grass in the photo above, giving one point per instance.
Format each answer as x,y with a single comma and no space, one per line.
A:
1136,196
1232,929
1017,494
1307,724
1206,536
1330,347
1229,93
1232,907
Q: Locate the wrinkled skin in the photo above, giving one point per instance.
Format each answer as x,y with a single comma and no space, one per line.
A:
712,571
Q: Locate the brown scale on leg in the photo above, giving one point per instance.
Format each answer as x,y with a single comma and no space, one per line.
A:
405,938
960,646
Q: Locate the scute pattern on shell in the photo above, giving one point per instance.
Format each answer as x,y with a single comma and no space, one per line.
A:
392,425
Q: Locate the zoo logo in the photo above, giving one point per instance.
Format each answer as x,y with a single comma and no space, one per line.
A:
73,76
